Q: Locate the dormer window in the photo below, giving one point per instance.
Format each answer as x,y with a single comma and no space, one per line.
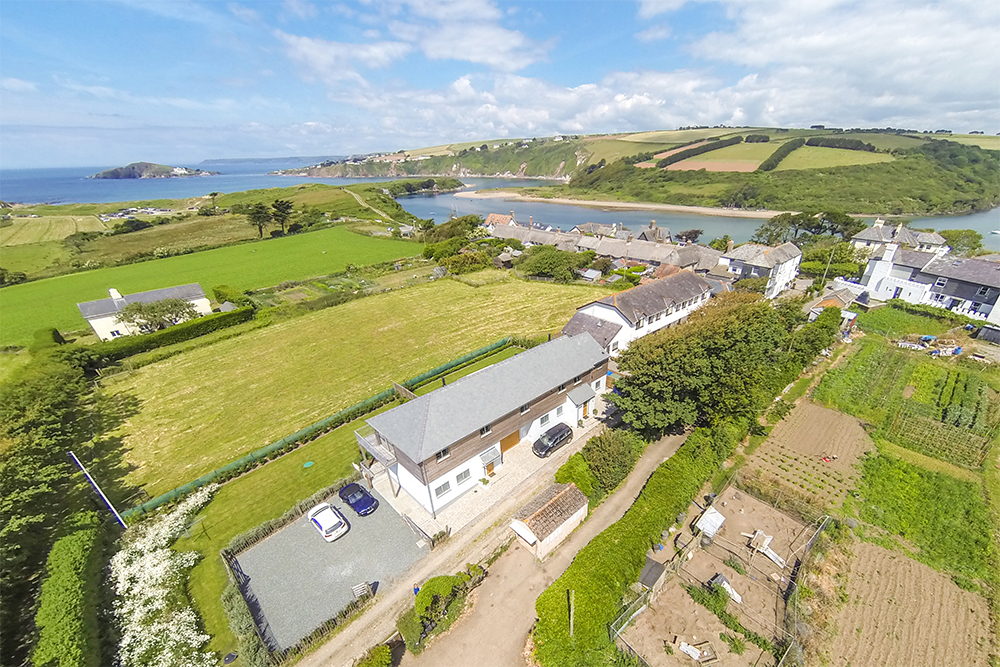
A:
940,282
442,455
576,380
562,387
485,431
983,291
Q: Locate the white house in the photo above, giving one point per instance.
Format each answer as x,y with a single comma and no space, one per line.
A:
101,315
963,285
437,447
879,234
617,320
779,265
549,518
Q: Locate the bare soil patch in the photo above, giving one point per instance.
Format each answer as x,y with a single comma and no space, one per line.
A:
672,613
659,156
901,613
814,450
714,165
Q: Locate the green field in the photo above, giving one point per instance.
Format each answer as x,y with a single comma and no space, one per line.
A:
33,258
681,136
883,142
277,380
52,302
892,322
742,152
613,149
990,142
816,157
48,228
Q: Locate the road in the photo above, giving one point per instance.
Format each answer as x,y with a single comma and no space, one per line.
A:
495,631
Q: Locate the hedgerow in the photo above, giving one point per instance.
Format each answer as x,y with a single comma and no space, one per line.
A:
840,142
698,150
777,156
126,346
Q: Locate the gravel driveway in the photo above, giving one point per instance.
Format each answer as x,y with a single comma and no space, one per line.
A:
301,581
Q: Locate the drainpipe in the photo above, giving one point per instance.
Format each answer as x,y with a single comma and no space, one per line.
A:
423,473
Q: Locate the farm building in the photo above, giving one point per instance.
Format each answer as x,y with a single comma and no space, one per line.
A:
437,446
101,315
549,518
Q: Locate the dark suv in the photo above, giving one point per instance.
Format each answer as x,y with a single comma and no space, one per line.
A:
551,440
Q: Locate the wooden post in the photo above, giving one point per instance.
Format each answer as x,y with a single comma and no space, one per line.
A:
571,592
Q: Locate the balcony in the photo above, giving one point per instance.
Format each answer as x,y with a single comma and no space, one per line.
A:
369,441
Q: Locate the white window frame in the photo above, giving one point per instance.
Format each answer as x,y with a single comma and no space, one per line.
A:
543,420
442,490
983,291
559,411
443,454
485,431
597,385
525,408
576,380
614,346
459,479
940,282
562,387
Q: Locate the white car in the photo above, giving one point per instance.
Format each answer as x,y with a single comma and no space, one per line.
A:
328,520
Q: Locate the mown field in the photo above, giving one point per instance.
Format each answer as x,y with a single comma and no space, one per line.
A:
276,380
740,157
49,228
817,157
990,142
52,302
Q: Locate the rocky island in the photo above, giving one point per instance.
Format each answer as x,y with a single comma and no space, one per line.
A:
152,170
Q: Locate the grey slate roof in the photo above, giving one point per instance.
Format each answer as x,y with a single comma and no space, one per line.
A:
912,259
603,332
550,509
764,256
898,234
425,425
975,271
582,394
105,307
657,296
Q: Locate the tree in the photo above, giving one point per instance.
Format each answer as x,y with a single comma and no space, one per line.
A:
836,222
722,245
158,314
213,195
965,242
11,277
751,285
602,264
259,215
773,231
691,235
281,210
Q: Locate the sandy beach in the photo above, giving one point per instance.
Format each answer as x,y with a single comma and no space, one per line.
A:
618,205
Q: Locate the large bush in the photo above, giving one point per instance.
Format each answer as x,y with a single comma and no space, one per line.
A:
577,471
611,456
68,610
697,150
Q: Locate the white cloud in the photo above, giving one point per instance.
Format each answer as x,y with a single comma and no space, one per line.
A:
650,8
654,33
301,8
12,85
243,13
334,62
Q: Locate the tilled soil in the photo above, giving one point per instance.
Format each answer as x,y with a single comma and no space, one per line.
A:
901,613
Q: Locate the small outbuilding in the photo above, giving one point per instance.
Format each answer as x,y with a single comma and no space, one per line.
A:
552,515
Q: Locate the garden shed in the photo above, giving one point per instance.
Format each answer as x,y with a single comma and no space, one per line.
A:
552,515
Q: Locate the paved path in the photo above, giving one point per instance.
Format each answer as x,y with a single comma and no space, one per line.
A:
495,631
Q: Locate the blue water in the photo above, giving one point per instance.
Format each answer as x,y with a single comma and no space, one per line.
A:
71,185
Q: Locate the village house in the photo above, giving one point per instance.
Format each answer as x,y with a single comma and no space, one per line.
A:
963,285
879,233
779,265
101,315
438,446
617,320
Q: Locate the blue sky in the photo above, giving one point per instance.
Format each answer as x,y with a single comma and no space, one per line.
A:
178,81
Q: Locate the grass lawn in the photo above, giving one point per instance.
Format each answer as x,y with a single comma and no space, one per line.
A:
268,492
48,228
11,361
889,321
817,157
274,381
742,151
613,149
52,302
33,258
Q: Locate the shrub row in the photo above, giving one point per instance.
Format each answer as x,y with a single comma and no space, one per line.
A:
436,606
757,139
817,269
612,561
841,142
698,150
126,346
955,319
716,602
67,617
780,154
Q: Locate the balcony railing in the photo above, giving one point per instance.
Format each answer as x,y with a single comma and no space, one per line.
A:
370,443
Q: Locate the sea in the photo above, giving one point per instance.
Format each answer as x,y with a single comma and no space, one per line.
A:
71,185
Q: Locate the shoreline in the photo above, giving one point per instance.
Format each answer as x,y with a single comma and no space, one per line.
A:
621,206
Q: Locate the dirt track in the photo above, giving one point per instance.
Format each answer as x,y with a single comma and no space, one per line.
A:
901,613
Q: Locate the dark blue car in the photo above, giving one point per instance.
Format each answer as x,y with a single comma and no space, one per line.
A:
359,499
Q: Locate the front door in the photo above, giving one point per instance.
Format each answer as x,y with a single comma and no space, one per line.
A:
489,469
586,409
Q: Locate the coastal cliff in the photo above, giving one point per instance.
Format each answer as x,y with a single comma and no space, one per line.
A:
151,170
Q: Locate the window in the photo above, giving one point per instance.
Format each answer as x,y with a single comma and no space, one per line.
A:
442,455
524,408
562,387
576,380
974,308
941,282
937,296
614,346
463,476
640,324
485,431
116,332
443,489
559,411
983,291
597,386
544,420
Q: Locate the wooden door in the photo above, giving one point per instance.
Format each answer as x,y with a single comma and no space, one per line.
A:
489,469
510,441
586,409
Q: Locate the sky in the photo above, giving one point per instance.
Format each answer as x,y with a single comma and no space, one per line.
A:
178,81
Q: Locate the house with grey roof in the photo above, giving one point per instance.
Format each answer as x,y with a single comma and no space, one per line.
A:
880,233
779,264
968,286
101,315
438,446
641,310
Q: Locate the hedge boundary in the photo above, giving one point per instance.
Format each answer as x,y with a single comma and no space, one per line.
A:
313,431
841,142
780,154
698,150
126,346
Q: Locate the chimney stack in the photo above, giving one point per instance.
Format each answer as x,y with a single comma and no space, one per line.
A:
652,224
729,246
115,294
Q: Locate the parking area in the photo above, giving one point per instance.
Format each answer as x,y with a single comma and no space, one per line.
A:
299,580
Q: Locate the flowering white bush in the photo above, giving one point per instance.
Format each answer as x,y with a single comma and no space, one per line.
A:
158,628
